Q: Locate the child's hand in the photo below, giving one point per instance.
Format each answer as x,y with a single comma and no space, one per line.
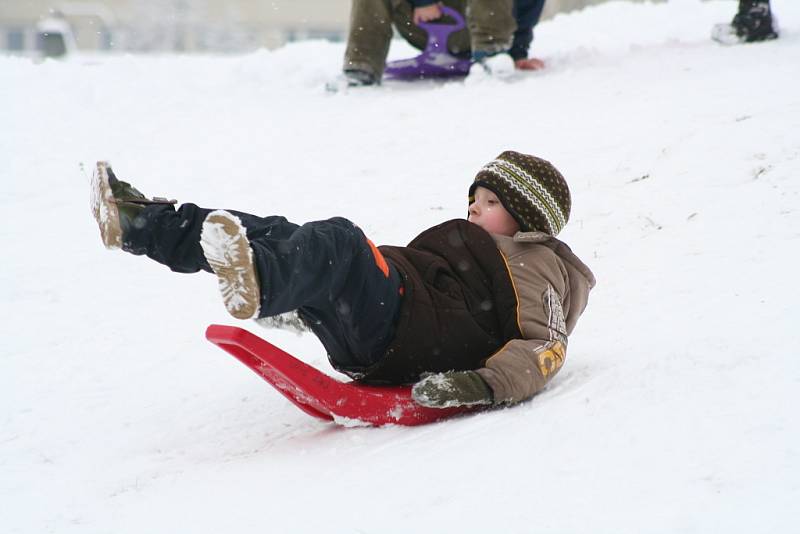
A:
453,388
529,64
427,13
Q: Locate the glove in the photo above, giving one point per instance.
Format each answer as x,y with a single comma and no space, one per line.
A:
453,388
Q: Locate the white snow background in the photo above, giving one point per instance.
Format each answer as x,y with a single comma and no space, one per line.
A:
676,410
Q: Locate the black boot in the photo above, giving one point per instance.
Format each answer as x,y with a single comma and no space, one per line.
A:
753,22
359,78
115,205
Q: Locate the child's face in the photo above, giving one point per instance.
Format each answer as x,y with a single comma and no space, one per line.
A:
488,213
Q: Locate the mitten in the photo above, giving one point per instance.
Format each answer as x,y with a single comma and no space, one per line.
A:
453,388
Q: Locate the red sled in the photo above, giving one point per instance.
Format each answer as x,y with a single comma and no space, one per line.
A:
322,396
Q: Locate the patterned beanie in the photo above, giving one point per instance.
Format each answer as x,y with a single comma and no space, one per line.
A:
530,188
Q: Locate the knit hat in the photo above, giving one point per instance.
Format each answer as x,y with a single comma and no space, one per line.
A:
531,189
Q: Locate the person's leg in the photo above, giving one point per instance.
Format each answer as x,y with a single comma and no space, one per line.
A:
527,15
340,283
129,220
752,23
327,270
172,237
368,37
491,26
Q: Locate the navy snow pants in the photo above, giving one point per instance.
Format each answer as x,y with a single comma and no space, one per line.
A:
328,271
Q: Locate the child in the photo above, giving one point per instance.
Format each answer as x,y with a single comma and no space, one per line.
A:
484,304
753,22
494,27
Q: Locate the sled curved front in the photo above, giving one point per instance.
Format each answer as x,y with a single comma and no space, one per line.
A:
320,395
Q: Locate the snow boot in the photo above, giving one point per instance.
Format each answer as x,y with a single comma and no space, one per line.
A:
351,79
227,250
753,22
359,78
499,65
115,204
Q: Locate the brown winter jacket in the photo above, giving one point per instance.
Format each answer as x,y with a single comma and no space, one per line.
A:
552,287
475,301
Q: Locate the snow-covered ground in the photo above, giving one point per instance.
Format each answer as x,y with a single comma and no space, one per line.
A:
675,412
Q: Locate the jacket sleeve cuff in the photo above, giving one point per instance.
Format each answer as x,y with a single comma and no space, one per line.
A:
498,394
422,3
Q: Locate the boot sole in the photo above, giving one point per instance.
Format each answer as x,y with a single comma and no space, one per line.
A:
104,209
227,250
725,34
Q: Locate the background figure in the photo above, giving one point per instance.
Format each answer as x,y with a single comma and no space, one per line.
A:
752,22
493,27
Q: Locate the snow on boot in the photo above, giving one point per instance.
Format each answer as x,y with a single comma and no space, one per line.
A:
115,204
498,66
359,78
104,209
351,78
753,22
227,250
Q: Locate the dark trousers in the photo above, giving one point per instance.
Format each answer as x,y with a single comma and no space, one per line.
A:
328,271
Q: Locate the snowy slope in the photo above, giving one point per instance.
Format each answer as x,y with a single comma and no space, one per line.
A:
675,411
